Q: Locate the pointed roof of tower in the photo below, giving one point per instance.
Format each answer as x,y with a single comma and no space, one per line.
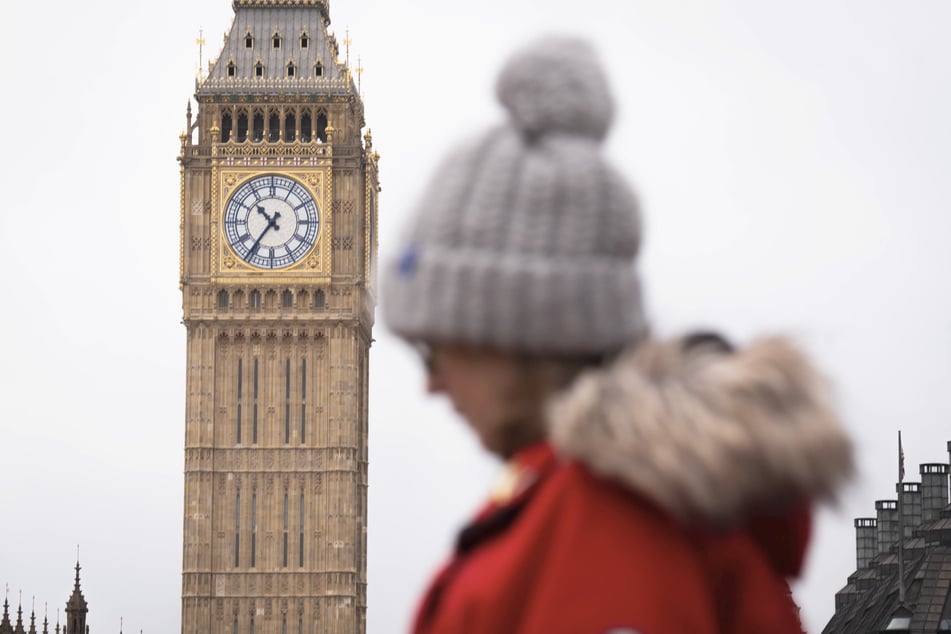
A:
77,602
279,47
19,626
5,626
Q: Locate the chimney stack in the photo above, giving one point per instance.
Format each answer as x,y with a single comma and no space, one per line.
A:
886,531
910,499
934,490
866,541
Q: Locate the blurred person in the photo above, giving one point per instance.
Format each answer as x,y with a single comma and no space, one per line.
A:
652,486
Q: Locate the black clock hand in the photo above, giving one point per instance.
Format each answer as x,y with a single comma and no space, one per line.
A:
257,243
271,222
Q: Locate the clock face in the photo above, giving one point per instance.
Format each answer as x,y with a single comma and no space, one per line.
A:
271,221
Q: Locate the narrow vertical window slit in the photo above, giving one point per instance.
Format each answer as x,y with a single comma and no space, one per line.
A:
237,526
287,401
300,562
254,421
254,525
238,417
303,398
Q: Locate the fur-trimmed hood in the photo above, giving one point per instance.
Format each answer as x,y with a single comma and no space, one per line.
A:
708,433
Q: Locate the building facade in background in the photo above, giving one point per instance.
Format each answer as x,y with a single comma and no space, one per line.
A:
278,242
902,581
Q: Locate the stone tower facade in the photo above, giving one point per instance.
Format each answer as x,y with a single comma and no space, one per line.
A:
278,242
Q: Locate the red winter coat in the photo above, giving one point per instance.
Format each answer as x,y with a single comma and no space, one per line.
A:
679,532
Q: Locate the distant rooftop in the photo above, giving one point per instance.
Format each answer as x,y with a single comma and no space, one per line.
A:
919,521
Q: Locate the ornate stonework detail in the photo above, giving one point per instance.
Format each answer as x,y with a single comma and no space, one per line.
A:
343,243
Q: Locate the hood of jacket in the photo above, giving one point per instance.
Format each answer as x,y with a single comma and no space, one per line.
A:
711,434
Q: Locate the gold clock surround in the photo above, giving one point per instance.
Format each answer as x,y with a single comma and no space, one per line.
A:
315,266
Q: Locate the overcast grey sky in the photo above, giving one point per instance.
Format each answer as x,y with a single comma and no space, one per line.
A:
792,159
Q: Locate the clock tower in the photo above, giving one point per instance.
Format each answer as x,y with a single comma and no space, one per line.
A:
278,244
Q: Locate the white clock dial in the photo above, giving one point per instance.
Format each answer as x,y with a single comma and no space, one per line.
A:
271,221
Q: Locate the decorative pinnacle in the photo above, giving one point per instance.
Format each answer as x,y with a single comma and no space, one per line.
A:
201,44
359,70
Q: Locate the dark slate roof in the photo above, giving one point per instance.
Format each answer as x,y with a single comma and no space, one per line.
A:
871,598
289,19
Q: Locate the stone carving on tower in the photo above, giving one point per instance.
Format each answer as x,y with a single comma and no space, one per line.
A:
278,240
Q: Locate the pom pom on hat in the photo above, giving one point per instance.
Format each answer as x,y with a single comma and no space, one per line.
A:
526,237
556,85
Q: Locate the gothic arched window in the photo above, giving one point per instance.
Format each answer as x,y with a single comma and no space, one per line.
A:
290,128
258,133
322,127
225,127
242,127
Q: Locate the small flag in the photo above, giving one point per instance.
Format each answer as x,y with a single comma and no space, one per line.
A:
901,460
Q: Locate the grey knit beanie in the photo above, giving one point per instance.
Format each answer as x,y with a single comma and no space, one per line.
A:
526,238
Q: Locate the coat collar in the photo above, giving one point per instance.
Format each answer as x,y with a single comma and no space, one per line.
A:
709,434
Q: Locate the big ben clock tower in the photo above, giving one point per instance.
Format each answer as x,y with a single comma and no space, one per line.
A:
278,242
